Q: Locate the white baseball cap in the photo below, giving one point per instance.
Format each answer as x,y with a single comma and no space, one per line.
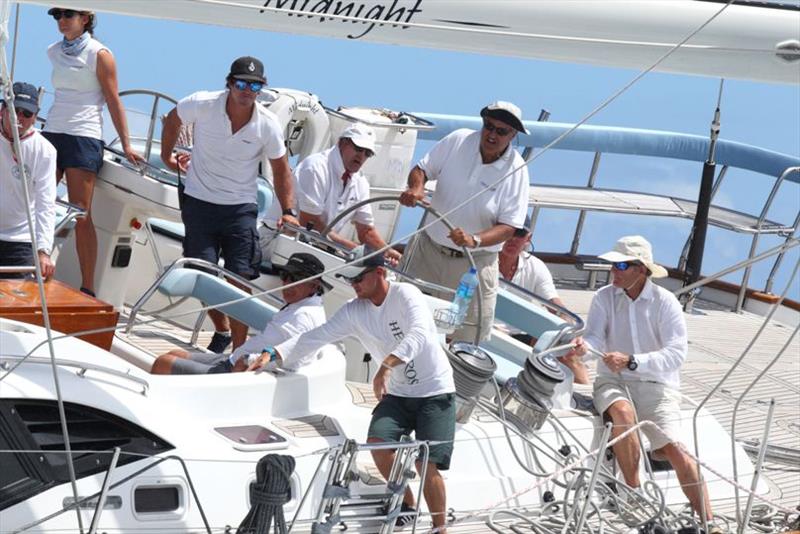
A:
361,135
635,248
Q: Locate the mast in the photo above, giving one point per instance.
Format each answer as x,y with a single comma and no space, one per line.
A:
694,261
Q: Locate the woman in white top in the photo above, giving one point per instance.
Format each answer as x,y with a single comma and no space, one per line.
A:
84,78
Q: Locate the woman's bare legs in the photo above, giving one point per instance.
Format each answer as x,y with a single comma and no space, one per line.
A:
80,186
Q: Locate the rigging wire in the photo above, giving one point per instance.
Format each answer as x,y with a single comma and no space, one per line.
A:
24,177
527,161
533,157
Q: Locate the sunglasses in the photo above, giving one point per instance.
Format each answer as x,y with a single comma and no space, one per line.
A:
369,153
358,279
25,113
499,130
624,265
254,87
66,13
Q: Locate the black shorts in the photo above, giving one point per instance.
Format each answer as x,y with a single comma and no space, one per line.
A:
431,419
76,152
229,230
16,254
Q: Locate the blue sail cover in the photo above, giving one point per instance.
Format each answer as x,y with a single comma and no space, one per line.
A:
634,141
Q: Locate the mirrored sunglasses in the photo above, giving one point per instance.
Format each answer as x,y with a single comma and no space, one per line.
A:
499,130
254,87
624,265
66,13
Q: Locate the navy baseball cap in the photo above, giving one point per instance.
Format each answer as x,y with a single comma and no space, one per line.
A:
26,96
358,266
248,68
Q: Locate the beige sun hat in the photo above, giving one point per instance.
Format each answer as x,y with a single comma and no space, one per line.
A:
635,248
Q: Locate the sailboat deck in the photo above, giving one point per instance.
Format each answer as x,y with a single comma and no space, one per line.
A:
717,338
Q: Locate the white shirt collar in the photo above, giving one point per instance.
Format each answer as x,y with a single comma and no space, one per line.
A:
646,294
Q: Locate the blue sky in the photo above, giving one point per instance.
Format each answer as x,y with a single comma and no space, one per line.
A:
177,59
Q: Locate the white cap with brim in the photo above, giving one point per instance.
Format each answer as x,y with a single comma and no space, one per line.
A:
361,135
505,112
635,248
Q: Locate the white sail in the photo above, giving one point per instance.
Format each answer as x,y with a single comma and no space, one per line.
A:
759,42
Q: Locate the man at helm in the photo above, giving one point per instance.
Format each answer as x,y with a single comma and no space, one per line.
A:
328,183
466,163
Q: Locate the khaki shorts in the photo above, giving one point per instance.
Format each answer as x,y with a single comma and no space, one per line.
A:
653,402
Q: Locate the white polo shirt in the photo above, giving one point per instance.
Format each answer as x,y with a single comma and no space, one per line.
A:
321,191
40,163
224,165
402,325
533,275
455,162
652,328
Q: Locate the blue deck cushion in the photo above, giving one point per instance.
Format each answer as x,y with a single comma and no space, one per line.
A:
524,315
212,290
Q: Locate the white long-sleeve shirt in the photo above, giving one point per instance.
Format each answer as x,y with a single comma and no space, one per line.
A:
285,327
652,328
39,157
402,326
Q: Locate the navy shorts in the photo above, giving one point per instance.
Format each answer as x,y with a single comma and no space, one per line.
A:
15,254
431,419
228,230
76,152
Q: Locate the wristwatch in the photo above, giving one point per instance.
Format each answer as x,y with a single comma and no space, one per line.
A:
477,239
290,211
632,363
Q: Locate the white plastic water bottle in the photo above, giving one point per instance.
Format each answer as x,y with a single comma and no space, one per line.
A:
464,293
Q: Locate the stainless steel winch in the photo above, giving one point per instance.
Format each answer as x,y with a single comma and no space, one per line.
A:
472,370
527,399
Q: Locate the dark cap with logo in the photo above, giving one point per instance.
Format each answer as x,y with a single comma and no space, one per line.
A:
357,265
26,96
248,68
303,264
